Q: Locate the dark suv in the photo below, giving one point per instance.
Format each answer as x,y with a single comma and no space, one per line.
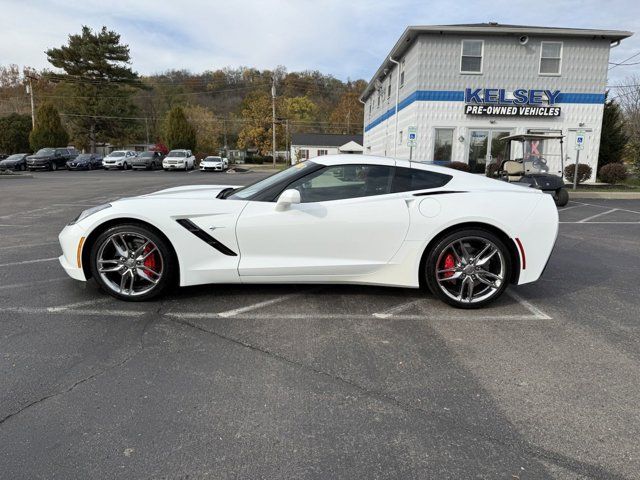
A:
51,158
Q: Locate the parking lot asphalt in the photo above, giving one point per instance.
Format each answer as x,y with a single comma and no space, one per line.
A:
232,381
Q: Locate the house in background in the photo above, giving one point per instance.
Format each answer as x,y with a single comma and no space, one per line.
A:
309,145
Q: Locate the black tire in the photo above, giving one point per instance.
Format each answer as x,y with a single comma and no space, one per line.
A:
169,262
53,166
430,264
561,197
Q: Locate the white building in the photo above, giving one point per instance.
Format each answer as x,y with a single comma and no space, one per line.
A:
459,88
309,145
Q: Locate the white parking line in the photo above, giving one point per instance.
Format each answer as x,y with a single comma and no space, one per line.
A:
29,245
29,284
537,313
91,312
255,306
24,262
14,226
397,309
69,306
604,206
585,220
569,208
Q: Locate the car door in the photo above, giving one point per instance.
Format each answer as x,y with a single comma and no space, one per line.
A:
348,223
61,156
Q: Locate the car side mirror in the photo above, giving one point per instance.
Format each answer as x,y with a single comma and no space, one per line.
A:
286,199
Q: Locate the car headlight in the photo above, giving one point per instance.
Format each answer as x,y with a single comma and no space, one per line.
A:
89,211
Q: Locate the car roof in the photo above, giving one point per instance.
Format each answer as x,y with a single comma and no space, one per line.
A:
350,159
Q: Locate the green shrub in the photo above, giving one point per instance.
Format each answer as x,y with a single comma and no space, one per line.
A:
584,172
613,173
463,167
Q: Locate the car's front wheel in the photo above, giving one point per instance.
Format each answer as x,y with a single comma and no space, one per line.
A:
468,268
131,262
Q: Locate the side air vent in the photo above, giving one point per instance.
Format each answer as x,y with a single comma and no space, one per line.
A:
205,237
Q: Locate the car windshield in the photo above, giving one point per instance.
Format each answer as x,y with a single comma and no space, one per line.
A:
45,152
117,153
16,156
146,155
177,154
289,173
213,159
84,156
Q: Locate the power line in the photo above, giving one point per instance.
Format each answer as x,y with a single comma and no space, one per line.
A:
625,60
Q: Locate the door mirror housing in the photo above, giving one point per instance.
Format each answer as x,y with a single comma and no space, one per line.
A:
287,198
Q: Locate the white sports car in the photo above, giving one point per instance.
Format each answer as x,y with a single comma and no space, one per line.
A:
336,219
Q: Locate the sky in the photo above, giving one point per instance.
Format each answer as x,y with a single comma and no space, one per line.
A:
345,38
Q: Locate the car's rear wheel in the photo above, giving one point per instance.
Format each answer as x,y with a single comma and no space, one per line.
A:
131,262
468,268
561,197
53,166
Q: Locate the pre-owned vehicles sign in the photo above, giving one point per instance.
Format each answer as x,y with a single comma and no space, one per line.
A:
512,110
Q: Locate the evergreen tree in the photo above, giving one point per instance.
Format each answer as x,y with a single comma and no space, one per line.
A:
48,131
97,85
14,133
613,137
178,132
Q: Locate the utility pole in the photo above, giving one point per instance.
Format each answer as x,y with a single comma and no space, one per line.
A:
273,119
146,127
33,108
348,121
224,128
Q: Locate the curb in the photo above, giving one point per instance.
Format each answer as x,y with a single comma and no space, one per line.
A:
605,195
18,175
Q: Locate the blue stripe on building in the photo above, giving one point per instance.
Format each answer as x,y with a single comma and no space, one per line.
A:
458,96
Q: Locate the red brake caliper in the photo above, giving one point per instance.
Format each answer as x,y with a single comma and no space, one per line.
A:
449,262
150,261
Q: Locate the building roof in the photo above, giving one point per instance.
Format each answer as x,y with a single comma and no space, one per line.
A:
324,139
487,29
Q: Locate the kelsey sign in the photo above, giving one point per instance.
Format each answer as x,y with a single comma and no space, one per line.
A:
517,103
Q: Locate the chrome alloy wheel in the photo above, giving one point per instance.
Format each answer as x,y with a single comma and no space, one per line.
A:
470,269
129,263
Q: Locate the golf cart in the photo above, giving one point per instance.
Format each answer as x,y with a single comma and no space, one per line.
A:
525,161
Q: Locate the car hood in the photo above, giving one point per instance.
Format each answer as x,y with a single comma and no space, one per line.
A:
196,192
6,161
34,157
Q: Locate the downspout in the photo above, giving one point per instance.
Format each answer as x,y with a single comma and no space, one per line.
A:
395,133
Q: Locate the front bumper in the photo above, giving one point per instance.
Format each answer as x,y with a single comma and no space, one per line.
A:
173,166
78,166
13,166
212,168
71,258
39,164
113,164
140,165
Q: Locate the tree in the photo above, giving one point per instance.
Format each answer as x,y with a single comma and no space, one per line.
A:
207,127
14,133
97,85
256,130
347,116
48,131
613,137
178,132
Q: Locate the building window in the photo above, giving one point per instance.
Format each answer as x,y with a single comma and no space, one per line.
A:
402,73
471,58
389,87
443,144
323,152
304,154
550,58
370,105
400,137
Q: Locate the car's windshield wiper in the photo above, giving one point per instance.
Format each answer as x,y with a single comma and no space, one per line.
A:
225,192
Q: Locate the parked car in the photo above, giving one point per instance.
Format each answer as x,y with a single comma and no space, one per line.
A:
214,163
85,161
122,159
179,160
50,158
148,161
17,162
355,219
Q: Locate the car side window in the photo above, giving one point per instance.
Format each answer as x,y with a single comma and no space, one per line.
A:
409,179
338,182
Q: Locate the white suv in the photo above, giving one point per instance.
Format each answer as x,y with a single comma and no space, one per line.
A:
179,160
121,159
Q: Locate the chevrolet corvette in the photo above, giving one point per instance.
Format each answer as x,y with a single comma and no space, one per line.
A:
339,219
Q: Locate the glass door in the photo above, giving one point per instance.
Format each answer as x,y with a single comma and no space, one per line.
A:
485,148
478,142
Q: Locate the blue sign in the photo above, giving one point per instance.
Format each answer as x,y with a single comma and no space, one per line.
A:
519,96
412,136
